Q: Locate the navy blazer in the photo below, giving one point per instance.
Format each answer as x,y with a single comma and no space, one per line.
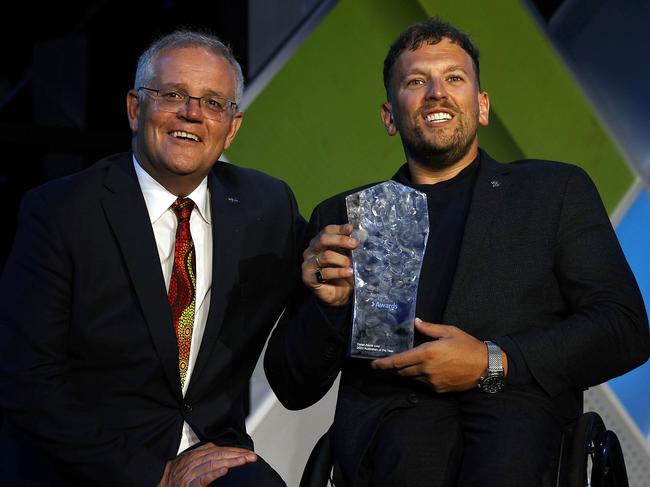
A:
89,372
540,271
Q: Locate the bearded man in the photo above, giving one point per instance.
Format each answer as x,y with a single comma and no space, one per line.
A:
525,299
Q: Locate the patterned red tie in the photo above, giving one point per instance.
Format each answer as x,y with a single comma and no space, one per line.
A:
182,285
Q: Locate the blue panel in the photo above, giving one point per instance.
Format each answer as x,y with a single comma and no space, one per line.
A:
633,388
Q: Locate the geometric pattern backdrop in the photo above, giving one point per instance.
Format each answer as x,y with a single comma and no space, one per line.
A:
316,124
633,389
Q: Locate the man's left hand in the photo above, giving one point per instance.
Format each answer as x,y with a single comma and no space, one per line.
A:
453,362
203,465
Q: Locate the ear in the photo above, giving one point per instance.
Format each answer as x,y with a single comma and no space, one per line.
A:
133,109
386,114
483,108
235,123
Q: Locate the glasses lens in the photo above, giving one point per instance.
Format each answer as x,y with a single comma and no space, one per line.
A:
213,107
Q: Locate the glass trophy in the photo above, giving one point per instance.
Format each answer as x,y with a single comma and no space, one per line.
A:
391,223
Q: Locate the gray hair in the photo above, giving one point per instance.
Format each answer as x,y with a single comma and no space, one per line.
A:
186,38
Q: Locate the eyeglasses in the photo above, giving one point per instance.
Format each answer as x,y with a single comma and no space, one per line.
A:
214,107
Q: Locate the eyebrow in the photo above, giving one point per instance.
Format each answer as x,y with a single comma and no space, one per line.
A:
418,69
455,67
183,87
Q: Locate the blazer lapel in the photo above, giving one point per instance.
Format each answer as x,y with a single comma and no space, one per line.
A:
491,184
127,214
228,225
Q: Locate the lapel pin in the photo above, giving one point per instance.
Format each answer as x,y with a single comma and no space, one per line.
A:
233,199
495,183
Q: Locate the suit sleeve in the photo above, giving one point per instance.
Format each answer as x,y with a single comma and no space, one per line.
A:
604,332
36,393
306,350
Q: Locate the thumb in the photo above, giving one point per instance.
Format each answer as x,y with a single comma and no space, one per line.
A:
431,329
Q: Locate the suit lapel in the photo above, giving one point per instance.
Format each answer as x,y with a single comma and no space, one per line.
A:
228,219
492,182
127,214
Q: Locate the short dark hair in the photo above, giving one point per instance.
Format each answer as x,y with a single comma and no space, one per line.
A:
430,31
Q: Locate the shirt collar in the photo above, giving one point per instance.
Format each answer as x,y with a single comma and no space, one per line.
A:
158,199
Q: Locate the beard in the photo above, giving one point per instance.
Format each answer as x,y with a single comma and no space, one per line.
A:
443,150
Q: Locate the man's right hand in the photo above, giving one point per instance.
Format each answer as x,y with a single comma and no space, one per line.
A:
328,257
203,465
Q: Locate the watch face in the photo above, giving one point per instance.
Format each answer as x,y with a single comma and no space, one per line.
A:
492,383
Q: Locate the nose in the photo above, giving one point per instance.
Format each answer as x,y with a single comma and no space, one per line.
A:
436,89
192,109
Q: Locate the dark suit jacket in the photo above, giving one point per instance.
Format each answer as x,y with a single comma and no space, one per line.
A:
89,372
540,272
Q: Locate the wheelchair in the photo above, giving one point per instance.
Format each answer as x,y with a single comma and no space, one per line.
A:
590,455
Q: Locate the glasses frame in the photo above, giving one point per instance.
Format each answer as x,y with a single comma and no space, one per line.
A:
231,109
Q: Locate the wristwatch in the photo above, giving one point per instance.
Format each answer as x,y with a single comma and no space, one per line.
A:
494,379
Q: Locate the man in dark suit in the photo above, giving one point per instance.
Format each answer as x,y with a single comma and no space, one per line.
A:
140,292
523,270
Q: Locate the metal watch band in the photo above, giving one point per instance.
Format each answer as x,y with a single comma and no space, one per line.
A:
494,379
495,362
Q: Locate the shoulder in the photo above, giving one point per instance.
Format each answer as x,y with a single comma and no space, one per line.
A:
539,172
243,178
70,205
548,183
258,192
552,177
541,167
81,187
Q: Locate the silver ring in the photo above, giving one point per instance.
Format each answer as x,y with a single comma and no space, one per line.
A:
317,261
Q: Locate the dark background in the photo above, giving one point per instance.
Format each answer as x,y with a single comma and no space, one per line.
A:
66,68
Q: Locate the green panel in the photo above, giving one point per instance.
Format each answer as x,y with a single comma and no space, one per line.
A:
534,94
317,124
496,139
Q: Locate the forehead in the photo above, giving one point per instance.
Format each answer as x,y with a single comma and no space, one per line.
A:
195,67
434,56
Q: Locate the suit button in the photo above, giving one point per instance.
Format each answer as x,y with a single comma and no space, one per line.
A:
187,408
413,398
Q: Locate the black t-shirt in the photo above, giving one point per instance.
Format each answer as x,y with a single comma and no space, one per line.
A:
448,204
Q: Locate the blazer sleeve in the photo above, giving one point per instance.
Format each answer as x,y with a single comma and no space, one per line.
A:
36,394
306,350
604,332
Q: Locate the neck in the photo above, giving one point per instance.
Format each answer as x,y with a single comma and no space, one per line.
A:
180,190
429,174
179,185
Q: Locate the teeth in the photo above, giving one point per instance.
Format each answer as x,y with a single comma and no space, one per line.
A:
438,116
184,135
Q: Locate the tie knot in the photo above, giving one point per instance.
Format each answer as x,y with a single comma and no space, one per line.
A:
183,208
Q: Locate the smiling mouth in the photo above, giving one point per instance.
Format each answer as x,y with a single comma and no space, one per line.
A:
179,134
438,117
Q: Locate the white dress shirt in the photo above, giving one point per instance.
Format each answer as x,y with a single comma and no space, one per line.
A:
164,223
